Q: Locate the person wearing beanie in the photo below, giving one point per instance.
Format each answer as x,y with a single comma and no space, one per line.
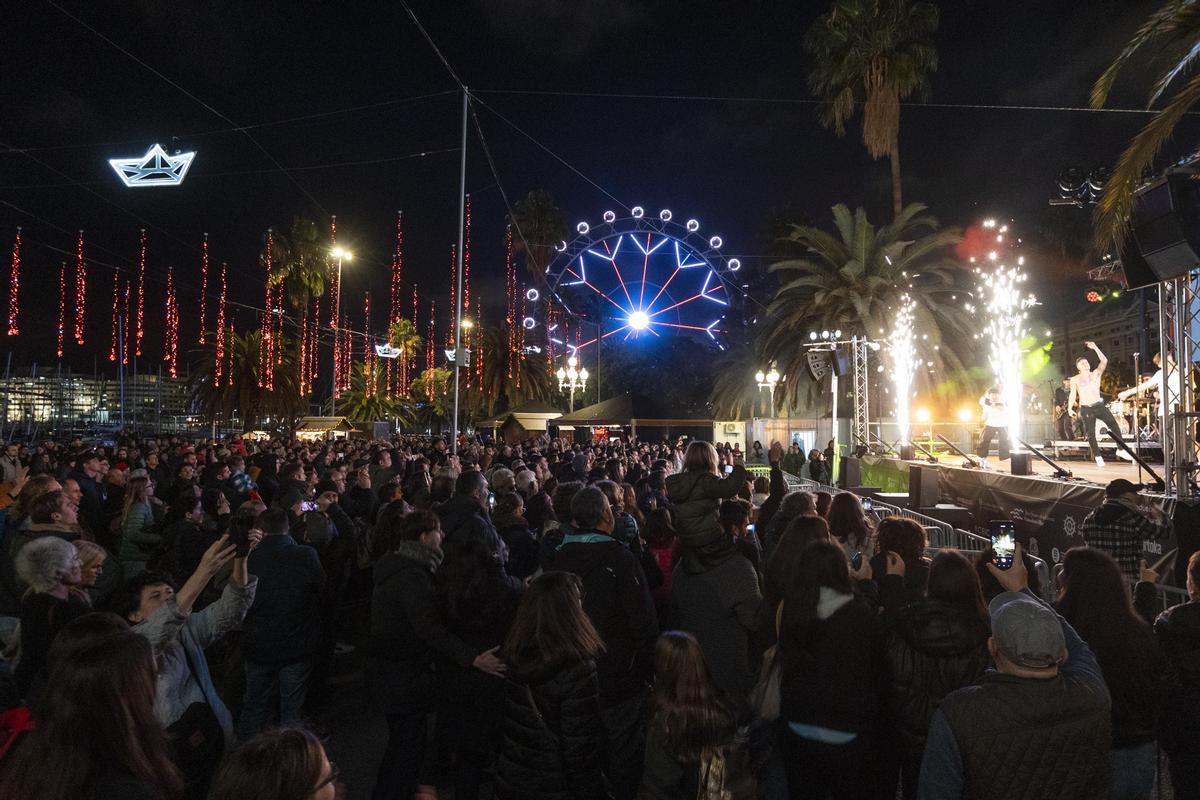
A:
1123,523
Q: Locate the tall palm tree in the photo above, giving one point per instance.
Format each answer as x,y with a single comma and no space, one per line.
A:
366,403
530,379
239,395
539,226
853,281
877,53
432,394
300,262
402,335
735,394
1173,33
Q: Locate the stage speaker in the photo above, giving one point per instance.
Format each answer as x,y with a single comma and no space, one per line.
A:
1165,223
922,486
908,452
1021,464
851,472
841,361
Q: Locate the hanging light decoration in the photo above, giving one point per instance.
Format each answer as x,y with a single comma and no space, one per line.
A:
313,328
347,352
430,362
219,360
266,352
62,304
368,351
171,342
203,285
80,289
467,260
510,301
478,354
139,329
14,288
450,332
335,285
395,366
116,316
125,326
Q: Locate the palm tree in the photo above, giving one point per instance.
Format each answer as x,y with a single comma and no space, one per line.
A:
239,395
877,53
1174,34
366,403
735,393
402,335
539,227
853,281
300,262
530,379
432,395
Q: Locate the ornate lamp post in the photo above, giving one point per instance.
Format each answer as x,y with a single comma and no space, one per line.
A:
572,378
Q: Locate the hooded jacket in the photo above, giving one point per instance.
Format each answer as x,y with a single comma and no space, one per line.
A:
1178,631
552,735
695,498
464,519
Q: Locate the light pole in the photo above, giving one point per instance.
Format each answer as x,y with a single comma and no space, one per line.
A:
768,380
341,254
572,378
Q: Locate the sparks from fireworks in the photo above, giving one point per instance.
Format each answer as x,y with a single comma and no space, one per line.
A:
902,352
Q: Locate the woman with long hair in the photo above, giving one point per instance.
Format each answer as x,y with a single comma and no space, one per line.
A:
823,501
1096,601
935,645
907,539
139,539
478,601
735,521
695,494
848,523
96,735
784,564
553,738
831,680
692,722
280,764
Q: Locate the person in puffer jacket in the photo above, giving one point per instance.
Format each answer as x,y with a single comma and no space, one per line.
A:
696,494
553,738
1178,631
933,646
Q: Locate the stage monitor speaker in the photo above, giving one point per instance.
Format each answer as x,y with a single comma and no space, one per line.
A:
923,487
851,473
1166,226
908,452
841,361
1021,464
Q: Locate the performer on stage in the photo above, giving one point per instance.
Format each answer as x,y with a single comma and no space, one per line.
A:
1173,382
1062,420
1085,387
995,425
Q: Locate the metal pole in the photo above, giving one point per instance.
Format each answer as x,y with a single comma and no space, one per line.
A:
458,266
1137,397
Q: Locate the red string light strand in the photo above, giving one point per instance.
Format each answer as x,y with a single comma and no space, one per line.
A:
429,358
266,360
450,332
139,327
368,351
116,318
125,326
203,285
80,289
467,260
219,360
510,296
335,283
62,304
479,345
14,288
171,343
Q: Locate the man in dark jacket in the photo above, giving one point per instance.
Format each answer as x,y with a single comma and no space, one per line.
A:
1039,725
91,502
1178,630
618,602
282,630
464,516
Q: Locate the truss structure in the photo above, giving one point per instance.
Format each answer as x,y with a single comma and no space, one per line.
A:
859,347
1178,324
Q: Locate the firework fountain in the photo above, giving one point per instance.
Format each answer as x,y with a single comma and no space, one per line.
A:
903,354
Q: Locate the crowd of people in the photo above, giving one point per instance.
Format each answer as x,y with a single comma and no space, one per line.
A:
554,620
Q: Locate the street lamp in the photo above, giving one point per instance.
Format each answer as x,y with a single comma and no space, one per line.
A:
341,254
571,378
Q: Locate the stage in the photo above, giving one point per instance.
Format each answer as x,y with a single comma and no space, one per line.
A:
1048,510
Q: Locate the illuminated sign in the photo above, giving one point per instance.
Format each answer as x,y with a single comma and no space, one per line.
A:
387,351
156,168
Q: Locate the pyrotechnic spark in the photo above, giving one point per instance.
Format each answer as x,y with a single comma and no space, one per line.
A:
903,354
1006,304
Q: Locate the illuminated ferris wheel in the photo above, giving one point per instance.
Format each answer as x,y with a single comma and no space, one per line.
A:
643,276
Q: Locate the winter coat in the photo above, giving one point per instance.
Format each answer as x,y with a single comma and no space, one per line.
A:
617,600
720,607
1178,631
464,519
407,632
695,498
522,547
932,649
553,737
283,625
139,539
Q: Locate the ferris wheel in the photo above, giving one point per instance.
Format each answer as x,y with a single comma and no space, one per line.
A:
641,276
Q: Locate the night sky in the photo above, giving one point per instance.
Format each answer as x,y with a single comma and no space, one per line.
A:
323,84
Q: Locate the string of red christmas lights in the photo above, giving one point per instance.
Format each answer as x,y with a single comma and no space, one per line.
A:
266,352
450,332
411,359
396,367
62,305
125,327
429,358
219,360
116,318
14,287
139,329
171,340
80,289
203,284
510,300
368,351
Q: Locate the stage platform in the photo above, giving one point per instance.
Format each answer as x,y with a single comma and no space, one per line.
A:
1082,471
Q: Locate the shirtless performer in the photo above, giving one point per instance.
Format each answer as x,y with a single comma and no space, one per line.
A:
1085,386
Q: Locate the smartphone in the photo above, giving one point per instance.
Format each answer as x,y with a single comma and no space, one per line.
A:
1004,542
309,505
491,501
867,504
750,527
239,533
856,561
728,469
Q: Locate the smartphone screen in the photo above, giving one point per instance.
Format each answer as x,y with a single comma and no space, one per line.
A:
491,501
728,469
866,504
856,561
1004,542
309,505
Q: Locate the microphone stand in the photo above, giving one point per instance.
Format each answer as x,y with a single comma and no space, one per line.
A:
1137,412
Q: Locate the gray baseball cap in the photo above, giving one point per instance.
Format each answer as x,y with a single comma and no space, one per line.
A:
1027,632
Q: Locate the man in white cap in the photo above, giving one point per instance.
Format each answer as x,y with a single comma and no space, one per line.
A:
1038,725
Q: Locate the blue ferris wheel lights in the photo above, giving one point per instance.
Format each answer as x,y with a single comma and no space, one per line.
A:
639,320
